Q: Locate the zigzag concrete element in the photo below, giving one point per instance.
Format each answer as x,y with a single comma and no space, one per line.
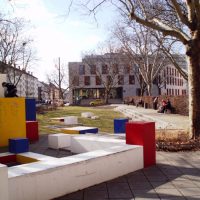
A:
135,114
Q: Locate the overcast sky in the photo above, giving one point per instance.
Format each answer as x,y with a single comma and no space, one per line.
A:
57,34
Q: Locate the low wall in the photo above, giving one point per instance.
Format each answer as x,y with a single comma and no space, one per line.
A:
53,178
180,103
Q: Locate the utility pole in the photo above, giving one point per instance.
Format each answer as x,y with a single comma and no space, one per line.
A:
59,79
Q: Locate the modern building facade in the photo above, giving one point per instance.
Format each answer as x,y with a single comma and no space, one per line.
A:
91,78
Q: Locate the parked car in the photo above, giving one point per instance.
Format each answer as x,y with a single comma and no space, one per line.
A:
96,102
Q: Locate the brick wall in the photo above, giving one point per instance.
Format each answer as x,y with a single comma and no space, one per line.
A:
180,103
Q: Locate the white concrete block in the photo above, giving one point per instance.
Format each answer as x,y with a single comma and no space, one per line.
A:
74,174
59,140
87,114
70,120
95,117
3,78
3,182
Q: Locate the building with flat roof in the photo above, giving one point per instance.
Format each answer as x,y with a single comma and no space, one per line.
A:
91,78
25,81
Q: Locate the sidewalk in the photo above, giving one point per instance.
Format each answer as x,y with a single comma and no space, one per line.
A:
169,121
175,177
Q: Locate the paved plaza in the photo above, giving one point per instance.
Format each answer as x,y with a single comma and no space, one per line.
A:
176,176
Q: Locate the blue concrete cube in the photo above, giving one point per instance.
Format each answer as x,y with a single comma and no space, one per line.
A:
120,125
18,145
30,110
89,130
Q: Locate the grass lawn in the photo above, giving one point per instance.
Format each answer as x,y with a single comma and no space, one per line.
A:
104,123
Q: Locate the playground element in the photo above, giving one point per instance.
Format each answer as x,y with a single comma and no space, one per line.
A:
18,145
7,158
2,79
109,158
32,131
58,119
143,133
70,120
4,182
80,130
59,140
11,159
30,110
119,125
87,114
12,119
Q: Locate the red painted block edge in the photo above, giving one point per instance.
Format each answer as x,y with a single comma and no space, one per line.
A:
7,159
32,131
143,133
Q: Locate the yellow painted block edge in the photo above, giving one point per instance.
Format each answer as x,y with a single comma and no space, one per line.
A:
23,159
70,131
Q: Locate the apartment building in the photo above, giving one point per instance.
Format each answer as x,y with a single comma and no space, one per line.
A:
90,78
27,83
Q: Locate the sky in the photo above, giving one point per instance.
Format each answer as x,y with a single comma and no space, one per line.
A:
59,33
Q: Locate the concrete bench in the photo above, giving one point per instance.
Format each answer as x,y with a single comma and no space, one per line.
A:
70,120
59,140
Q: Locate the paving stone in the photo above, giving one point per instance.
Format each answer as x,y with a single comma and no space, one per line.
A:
157,178
73,196
140,186
184,184
97,195
163,185
190,191
139,192
121,179
193,198
119,190
170,193
98,187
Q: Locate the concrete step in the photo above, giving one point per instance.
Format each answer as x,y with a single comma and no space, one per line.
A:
136,115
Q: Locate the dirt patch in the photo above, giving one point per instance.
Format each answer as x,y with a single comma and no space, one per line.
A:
175,140
191,145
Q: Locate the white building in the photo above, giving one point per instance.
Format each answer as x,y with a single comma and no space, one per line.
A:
88,79
27,84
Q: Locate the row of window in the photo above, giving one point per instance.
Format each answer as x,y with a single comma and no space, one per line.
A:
174,81
172,72
176,92
109,80
104,69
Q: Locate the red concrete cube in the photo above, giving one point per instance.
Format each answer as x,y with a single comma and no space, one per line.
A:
143,133
32,131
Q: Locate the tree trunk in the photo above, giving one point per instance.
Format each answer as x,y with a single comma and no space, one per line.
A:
193,56
106,96
149,89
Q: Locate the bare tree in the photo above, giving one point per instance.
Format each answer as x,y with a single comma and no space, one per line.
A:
58,77
175,18
15,49
141,46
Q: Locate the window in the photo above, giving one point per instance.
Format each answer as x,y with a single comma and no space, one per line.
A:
75,81
104,69
115,69
120,80
93,69
81,69
109,80
126,69
131,79
87,80
98,80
